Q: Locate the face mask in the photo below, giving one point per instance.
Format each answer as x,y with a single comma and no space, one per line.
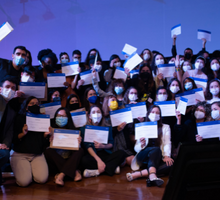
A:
61,121
117,64
98,67
171,62
35,109
19,61
8,94
76,60
174,89
215,114
113,105
25,78
186,68
145,75
181,62
214,91
56,99
132,97
199,115
48,68
188,56
92,99
188,86
162,97
215,67
74,106
64,61
119,90
198,65
153,117
96,117
146,56
160,61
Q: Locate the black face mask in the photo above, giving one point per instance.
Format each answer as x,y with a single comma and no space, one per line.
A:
56,99
35,109
188,56
74,106
48,67
145,75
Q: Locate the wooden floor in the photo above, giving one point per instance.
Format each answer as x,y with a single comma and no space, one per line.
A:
98,188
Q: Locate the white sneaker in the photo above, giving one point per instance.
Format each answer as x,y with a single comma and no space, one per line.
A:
117,170
90,172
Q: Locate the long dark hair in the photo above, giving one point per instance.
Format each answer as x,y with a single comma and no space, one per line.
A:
69,98
23,108
153,64
208,94
192,81
126,99
101,123
85,100
88,55
170,82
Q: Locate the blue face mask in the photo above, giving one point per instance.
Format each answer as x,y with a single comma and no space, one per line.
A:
61,121
188,86
119,90
92,99
19,61
56,99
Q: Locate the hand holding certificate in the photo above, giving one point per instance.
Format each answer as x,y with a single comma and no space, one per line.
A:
182,105
146,130
204,34
128,49
120,73
50,108
79,118
209,129
55,80
132,61
138,109
167,108
70,69
166,69
176,30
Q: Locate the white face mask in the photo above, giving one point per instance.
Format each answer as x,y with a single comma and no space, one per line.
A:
98,67
188,85
214,91
174,89
162,97
160,61
64,61
146,56
76,60
215,67
96,117
215,114
132,97
199,115
117,64
26,78
198,65
171,62
8,94
153,117
186,68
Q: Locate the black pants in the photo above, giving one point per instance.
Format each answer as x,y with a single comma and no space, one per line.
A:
112,161
4,158
149,157
57,163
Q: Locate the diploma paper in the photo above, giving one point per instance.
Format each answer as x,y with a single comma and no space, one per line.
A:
38,123
204,34
79,118
87,77
166,69
120,73
190,95
50,108
5,29
132,61
70,69
167,108
96,133
146,130
199,94
120,116
201,83
209,129
176,30
55,80
128,49
182,105
33,89
65,139
138,109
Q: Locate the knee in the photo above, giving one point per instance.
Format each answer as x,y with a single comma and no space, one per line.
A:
4,154
41,179
24,182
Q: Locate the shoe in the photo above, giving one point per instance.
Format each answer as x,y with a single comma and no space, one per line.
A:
117,170
58,181
155,182
130,177
90,173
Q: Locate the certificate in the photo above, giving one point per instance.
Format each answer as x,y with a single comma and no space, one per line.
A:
96,133
70,69
146,130
133,72
132,61
65,139
5,29
204,34
182,105
138,109
209,129
199,94
87,77
190,95
55,80
128,49
168,108
33,89
38,123
79,118
122,115
120,73
78,110
176,30
200,83
50,108
166,69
